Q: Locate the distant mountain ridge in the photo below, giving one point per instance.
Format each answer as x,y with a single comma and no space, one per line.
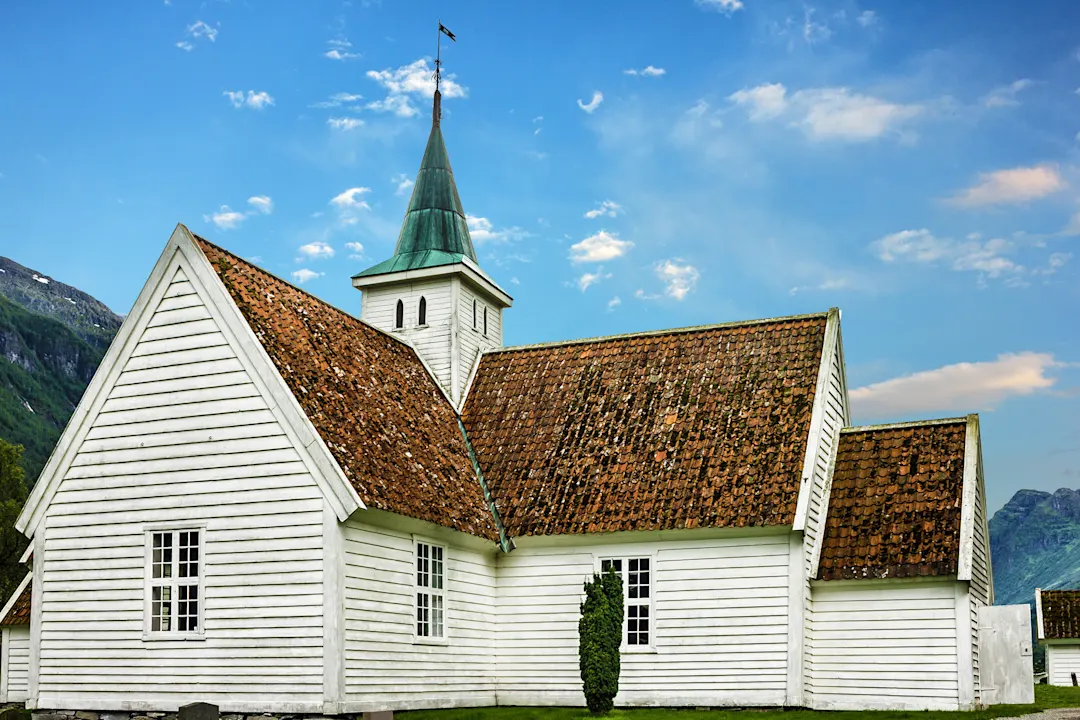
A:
1035,542
52,338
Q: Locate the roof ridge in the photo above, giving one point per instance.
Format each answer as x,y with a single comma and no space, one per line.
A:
302,291
907,424
668,331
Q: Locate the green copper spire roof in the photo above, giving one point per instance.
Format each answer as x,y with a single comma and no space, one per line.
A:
434,231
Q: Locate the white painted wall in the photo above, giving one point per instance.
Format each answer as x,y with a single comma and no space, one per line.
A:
473,339
15,663
185,436
385,666
886,644
721,622
434,341
1061,661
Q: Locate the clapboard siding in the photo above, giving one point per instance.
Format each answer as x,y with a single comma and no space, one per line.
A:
16,663
1061,662
721,623
884,644
433,342
185,436
473,339
384,667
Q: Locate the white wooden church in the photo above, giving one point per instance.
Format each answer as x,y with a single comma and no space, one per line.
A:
268,504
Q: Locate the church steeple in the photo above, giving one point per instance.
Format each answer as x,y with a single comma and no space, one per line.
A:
434,231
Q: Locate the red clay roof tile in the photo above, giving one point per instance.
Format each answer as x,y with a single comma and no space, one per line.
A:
19,614
391,430
1060,614
681,429
895,504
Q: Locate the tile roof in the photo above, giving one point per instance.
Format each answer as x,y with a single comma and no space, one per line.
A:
1060,614
391,430
895,503
19,614
702,427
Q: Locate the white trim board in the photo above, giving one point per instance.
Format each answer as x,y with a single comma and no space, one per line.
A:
817,418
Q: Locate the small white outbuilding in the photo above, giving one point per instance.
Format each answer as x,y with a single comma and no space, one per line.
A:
1058,618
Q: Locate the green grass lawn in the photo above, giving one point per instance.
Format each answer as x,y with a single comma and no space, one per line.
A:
1045,697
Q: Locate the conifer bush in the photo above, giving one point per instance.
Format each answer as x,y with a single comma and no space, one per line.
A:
599,640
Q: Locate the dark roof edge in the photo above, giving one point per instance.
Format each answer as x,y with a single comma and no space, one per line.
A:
909,424
655,333
505,542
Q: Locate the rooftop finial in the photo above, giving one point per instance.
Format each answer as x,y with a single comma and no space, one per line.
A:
436,110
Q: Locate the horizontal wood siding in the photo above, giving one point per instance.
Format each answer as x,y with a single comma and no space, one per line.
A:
473,339
184,437
432,342
979,594
1061,662
384,667
884,644
721,624
18,663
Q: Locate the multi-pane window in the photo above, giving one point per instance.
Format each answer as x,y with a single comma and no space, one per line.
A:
636,575
174,581
430,584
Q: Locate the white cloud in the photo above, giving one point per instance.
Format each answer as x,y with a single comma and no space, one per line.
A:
963,387
303,275
814,32
971,255
725,6
867,18
614,303
199,29
226,218
763,102
831,284
597,98
601,247
350,199
647,71
607,208
185,46
338,99
317,249
1012,186
253,100
836,113
356,248
344,123
336,54
403,182
679,277
1005,96
416,78
482,230
262,203
588,279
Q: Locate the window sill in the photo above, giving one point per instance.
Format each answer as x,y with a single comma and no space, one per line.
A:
422,327
638,650
173,637
443,642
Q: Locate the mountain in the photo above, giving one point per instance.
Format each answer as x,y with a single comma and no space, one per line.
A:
52,338
1035,542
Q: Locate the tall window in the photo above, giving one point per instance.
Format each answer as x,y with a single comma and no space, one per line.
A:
637,594
174,581
429,590
474,314
399,315
485,322
422,315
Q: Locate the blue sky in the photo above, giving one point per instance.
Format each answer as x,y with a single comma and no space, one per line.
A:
626,166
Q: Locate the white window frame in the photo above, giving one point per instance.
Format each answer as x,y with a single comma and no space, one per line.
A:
625,559
148,541
430,592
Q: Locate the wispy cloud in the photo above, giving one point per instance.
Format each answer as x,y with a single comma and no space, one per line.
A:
402,182
316,250
647,71
262,203
337,100
1011,187
350,203
198,30
723,6
590,107
226,218
344,123
867,18
482,231
303,275
339,50
253,100
963,387
614,303
601,247
1005,96
412,79
356,250
763,102
607,208
679,277
589,279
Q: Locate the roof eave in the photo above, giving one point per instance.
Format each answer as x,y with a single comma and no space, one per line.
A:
465,267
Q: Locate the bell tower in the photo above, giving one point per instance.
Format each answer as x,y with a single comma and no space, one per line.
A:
432,291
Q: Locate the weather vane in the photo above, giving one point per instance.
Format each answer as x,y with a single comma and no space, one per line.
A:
438,51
